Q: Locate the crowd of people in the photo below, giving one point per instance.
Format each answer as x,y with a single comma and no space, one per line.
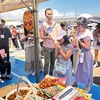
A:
64,54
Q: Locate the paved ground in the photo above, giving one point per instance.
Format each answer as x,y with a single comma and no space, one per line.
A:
19,54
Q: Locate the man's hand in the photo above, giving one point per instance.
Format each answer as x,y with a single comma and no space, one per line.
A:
49,37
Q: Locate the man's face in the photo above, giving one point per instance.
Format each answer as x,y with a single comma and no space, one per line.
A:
49,14
2,25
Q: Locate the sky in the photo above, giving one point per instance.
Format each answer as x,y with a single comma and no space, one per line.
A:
60,8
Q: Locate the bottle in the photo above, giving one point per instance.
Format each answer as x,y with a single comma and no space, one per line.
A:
81,57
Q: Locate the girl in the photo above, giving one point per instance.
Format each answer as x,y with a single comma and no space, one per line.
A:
64,49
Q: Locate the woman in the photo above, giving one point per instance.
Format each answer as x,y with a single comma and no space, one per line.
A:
63,67
96,36
28,39
84,71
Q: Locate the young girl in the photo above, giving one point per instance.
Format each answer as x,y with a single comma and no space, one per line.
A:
63,66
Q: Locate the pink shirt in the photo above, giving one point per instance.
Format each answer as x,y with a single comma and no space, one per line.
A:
49,43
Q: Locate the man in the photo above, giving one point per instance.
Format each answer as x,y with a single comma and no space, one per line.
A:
48,32
5,38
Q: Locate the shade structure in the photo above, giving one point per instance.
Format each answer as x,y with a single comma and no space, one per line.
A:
9,5
94,19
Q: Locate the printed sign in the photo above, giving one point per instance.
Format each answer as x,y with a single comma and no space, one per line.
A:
27,20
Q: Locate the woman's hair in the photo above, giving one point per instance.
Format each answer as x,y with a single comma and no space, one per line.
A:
62,24
82,21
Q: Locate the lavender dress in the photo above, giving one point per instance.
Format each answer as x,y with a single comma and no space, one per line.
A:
67,63
84,72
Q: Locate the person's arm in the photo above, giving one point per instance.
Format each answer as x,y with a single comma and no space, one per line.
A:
23,38
59,50
21,31
66,55
9,36
30,35
85,44
9,42
56,51
42,35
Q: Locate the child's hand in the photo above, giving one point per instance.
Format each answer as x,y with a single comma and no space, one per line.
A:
28,35
57,46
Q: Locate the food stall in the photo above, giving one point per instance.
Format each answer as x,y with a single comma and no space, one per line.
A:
50,88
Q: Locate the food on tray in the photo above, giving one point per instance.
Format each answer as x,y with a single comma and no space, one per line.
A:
49,81
42,95
51,91
22,93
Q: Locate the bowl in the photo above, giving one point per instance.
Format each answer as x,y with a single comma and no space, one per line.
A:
14,91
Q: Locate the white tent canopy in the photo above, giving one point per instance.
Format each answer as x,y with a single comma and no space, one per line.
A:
9,5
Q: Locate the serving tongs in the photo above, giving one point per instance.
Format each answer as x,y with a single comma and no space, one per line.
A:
32,90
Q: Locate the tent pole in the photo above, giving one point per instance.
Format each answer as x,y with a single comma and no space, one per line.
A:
36,40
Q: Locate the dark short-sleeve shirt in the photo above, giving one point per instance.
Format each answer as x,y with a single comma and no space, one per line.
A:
4,42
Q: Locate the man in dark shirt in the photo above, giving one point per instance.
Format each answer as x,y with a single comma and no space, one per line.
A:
5,37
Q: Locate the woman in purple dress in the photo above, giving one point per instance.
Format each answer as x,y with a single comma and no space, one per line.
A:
84,71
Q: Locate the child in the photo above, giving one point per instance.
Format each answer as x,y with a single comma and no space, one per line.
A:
64,49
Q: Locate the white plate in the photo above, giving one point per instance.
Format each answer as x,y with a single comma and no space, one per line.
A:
27,88
1,99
